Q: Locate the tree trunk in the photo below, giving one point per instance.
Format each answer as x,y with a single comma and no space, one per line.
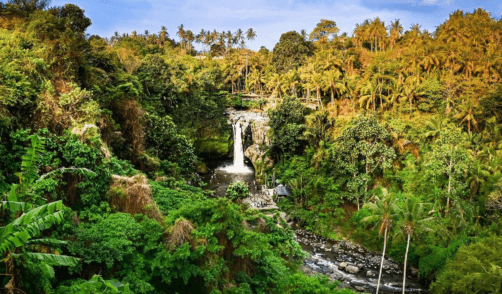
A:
449,191
319,103
383,256
332,98
405,260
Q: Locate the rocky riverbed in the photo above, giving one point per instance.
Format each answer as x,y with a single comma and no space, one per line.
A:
355,266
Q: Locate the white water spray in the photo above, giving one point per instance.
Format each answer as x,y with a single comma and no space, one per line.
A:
238,152
238,166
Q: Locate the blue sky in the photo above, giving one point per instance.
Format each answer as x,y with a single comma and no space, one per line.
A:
269,18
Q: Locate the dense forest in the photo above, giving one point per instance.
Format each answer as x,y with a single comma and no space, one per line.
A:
388,137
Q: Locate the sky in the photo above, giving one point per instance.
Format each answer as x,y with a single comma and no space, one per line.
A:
268,18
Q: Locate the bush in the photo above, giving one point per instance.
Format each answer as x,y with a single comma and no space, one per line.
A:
476,268
237,191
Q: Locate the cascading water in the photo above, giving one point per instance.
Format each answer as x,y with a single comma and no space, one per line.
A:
223,172
238,151
238,166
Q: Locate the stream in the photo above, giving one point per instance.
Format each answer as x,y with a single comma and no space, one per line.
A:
353,265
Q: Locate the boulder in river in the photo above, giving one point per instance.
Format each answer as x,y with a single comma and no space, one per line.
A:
342,265
352,269
370,273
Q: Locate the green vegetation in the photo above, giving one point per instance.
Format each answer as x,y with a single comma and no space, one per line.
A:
237,191
100,139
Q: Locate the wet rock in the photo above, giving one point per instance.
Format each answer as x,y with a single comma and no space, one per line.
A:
352,269
414,271
359,288
342,265
370,273
360,265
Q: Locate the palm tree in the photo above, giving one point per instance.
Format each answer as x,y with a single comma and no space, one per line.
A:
181,33
163,34
250,34
396,31
256,80
190,37
200,37
331,81
349,85
468,111
290,80
411,91
275,83
370,95
383,211
477,176
435,126
230,41
412,218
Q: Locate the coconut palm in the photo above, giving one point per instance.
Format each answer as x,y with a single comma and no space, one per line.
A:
190,37
255,81
413,218
369,91
182,34
250,34
274,84
468,111
331,81
163,34
435,126
478,174
396,31
383,212
411,91
290,80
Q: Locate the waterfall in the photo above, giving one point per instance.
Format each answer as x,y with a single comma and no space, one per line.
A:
238,150
238,166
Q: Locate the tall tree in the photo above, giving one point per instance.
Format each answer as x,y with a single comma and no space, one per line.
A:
383,212
412,218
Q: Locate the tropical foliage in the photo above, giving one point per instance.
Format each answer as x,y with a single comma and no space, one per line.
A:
398,130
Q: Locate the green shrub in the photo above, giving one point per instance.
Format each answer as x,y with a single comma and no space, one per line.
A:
237,191
476,268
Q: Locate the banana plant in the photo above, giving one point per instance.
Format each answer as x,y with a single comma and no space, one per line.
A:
23,223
